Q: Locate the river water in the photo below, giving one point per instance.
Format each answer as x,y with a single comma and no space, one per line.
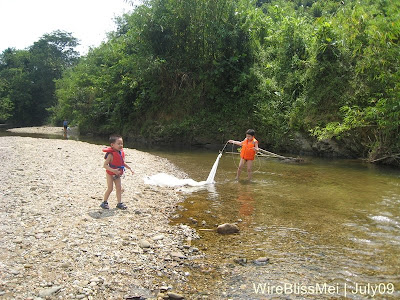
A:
330,229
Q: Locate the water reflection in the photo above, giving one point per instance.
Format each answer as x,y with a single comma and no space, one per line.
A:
246,203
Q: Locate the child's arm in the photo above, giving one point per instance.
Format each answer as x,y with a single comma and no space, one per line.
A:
128,167
107,167
256,147
235,142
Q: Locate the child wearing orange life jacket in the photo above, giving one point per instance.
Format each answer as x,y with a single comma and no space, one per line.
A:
115,165
249,149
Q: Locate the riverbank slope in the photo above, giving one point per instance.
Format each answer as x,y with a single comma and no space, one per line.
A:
55,235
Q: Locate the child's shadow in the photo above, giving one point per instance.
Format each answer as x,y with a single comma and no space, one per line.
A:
101,213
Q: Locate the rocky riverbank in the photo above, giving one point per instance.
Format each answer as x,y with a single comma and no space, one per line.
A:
57,242
40,130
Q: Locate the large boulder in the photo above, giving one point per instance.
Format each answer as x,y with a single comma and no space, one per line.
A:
227,228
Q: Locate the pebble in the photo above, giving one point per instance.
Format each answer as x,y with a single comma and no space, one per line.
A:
144,244
158,237
66,265
261,261
177,254
176,296
50,291
163,289
241,261
95,279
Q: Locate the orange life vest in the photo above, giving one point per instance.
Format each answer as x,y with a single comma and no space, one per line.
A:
118,161
248,151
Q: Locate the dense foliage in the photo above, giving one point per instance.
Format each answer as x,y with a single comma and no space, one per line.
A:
205,71
27,77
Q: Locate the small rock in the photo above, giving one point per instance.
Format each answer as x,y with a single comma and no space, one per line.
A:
261,261
158,237
95,279
194,221
176,296
227,228
14,271
178,254
80,296
18,240
66,265
144,244
241,261
50,291
163,289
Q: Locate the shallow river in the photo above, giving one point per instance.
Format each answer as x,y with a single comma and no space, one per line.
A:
330,228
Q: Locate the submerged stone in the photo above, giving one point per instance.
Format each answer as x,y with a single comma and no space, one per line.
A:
261,261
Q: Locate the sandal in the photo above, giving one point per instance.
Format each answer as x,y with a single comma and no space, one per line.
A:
104,205
121,206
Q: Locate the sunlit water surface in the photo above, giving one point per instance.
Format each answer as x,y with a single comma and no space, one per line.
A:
331,228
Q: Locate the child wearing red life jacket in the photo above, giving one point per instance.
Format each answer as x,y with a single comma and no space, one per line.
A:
249,149
115,165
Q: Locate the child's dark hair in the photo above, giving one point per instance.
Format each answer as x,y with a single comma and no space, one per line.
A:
113,138
251,132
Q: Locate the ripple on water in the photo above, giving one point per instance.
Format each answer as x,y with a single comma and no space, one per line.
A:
383,219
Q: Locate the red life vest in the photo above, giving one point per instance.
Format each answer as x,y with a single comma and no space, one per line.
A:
248,152
118,161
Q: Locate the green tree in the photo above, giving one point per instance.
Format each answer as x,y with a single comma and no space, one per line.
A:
27,77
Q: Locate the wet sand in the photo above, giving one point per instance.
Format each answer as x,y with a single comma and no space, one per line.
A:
57,241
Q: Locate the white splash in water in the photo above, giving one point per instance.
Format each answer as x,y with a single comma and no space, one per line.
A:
211,176
163,179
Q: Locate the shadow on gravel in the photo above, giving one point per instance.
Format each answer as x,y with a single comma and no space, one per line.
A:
102,213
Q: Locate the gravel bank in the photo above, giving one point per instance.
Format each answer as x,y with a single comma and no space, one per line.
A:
57,242
39,130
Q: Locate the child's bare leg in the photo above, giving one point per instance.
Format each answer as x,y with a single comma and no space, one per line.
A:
118,188
109,186
241,164
249,169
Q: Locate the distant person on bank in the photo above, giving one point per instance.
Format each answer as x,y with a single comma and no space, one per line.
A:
249,149
65,124
115,165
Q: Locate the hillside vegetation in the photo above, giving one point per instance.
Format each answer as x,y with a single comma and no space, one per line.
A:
205,71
